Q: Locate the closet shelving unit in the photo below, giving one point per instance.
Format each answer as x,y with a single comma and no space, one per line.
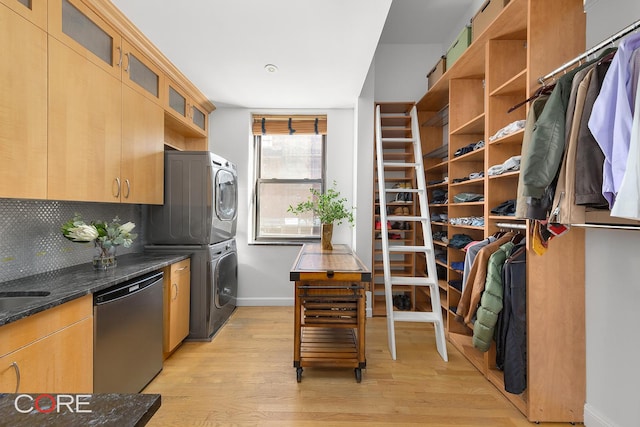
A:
498,70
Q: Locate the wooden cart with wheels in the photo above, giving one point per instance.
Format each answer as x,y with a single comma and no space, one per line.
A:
330,318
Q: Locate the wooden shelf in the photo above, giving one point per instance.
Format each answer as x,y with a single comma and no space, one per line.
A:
472,127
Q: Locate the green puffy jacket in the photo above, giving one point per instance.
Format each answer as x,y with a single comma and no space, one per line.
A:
491,300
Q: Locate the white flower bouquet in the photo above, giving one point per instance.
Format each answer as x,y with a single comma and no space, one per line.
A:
105,235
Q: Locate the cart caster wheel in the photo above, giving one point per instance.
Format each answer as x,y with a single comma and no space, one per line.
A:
358,373
299,374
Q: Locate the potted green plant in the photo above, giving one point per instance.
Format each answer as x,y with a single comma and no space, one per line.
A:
329,208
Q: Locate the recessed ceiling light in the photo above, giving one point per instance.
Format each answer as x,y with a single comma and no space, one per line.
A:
270,68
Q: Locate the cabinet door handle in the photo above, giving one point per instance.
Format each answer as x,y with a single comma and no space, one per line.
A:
126,181
126,69
17,369
119,56
117,188
182,268
175,285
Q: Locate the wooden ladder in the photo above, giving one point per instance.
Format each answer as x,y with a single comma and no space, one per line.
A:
422,217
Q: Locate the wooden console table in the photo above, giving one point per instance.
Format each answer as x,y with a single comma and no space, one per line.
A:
329,313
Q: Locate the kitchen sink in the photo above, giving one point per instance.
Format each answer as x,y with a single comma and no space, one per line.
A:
13,299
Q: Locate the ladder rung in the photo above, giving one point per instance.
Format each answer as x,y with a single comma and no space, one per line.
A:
415,281
397,140
406,218
403,190
399,165
408,248
415,316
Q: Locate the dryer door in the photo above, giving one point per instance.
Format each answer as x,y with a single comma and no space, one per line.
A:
226,280
226,195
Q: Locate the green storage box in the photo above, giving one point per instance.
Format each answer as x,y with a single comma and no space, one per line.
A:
459,46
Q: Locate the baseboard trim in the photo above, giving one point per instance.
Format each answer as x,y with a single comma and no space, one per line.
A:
264,302
592,418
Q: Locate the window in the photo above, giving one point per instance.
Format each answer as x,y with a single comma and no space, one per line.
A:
289,160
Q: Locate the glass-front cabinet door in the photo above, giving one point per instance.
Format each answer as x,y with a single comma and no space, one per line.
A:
181,106
198,118
177,102
33,10
81,29
141,74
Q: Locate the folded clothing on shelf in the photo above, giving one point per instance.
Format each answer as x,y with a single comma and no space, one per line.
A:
475,221
468,197
507,208
456,284
469,148
440,236
459,241
439,217
439,196
511,164
436,181
508,129
457,265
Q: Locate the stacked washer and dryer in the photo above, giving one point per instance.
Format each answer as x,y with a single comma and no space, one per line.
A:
199,218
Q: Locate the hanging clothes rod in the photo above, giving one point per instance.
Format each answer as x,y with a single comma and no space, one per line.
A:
511,225
593,50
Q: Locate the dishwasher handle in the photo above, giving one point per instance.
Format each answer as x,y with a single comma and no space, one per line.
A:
127,288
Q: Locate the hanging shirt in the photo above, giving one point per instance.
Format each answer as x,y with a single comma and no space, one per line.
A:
628,199
611,117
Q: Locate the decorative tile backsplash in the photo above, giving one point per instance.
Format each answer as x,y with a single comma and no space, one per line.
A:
31,241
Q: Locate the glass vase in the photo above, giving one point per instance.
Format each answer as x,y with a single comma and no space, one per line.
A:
105,258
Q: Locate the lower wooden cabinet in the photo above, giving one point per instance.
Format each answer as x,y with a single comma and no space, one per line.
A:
177,299
50,352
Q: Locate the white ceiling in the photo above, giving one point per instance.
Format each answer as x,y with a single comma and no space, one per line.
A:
323,48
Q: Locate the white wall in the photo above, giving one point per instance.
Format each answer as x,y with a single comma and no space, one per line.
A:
364,113
401,70
612,284
263,270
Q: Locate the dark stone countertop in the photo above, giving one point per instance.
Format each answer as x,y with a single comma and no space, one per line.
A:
109,410
74,282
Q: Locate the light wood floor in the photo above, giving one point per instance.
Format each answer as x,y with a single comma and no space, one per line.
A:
245,377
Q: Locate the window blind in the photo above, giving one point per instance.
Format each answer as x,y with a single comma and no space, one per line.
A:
289,124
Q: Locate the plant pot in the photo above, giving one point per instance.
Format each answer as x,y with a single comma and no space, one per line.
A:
327,234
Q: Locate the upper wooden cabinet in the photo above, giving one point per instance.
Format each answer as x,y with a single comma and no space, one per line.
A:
107,127
85,128
84,105
142,166
77,26
23,102
32,10
183,113
142,75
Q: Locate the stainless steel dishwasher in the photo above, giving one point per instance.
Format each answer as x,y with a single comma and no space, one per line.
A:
127,351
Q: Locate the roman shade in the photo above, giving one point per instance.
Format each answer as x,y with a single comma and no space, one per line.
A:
289,124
